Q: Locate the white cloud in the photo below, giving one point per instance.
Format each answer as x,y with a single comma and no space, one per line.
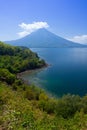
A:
29,28
80,39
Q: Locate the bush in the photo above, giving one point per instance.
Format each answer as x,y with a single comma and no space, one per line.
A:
29,94
5,75
68,105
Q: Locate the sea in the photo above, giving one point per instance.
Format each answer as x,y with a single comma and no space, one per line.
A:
66,73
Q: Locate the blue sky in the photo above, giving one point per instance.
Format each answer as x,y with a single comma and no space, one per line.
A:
66,18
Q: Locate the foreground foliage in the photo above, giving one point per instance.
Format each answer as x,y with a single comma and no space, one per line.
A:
29,108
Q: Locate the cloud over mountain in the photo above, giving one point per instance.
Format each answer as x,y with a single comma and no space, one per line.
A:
29,28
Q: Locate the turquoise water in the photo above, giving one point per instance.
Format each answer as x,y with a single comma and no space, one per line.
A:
66,74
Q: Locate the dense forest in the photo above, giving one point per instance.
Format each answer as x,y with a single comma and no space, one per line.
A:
27,107
18,59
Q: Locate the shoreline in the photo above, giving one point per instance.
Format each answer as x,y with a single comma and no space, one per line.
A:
20,75
27,82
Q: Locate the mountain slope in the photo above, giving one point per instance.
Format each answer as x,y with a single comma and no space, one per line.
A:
43,38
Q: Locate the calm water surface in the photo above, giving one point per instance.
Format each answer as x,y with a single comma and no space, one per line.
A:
67,73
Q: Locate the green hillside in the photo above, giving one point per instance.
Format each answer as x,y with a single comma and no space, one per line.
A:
18,59
27,107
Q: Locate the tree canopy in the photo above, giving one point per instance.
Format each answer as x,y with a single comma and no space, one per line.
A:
18,59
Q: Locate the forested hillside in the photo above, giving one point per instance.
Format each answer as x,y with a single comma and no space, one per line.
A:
18,59
27,107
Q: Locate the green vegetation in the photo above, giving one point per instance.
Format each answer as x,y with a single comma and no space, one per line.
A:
26,107
18,59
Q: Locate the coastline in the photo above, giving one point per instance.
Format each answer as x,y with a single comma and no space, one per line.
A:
20,75
27,82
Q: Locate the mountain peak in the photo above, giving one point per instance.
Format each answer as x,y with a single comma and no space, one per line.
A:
41,30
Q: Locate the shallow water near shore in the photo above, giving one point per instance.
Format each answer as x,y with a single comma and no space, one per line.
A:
67,73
